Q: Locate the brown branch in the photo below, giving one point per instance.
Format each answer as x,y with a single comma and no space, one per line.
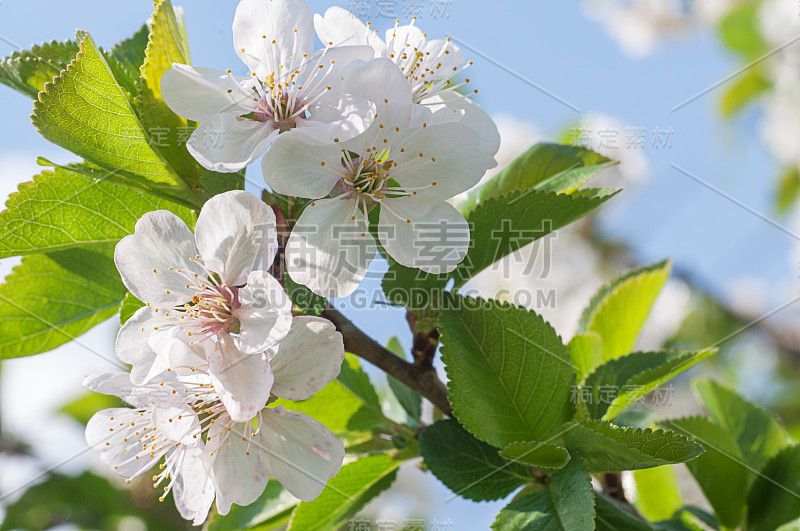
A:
422,379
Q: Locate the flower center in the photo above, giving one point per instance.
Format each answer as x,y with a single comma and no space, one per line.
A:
282,107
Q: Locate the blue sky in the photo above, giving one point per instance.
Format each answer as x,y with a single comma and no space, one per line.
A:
554,45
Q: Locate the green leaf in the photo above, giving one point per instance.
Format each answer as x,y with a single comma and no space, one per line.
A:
353,377
788,190
355,485
214,183
129,306
499,226
758,433
657,493
720,472
469,467
743,90
619,383
605,447
86,111
775,496
27,71
275,505
586,351
537,455
567,505
410,400
50,299
510,374
62,209
612,518
618,311
740,29
83,407
552,167
131,52
166,45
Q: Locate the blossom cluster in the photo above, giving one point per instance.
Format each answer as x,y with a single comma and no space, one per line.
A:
362,126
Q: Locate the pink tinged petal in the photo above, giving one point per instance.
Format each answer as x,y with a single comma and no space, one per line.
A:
451,158
193,490
327,250
236,235
303,454
237,468
296,166
335,117
200,93
113,433
270,33
378,80
226,143
174,352
307,359
342,28
425,232
149,259
243,381
265,313
133,345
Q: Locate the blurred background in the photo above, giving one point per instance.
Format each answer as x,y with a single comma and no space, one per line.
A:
699,100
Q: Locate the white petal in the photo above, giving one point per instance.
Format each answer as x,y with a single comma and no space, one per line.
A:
148,259
475,118
335,117
342,28
327,251
236,235
296,166
200,93
243,381
379,80
226,144
238,477
265,314
119,384
112,432
266,32
179,424
193,490
452,160
307,359
424,232
133,346
303,454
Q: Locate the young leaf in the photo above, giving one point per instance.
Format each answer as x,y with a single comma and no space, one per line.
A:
469,467
621,382
355,485
131,52
166,45
586,351
557,167
657,493
618,311
274,506
50,299
353,377
757,432
537,455
605,447
27,71
85,111
410,400
63,208
721,473
566,505
510,374
775,496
